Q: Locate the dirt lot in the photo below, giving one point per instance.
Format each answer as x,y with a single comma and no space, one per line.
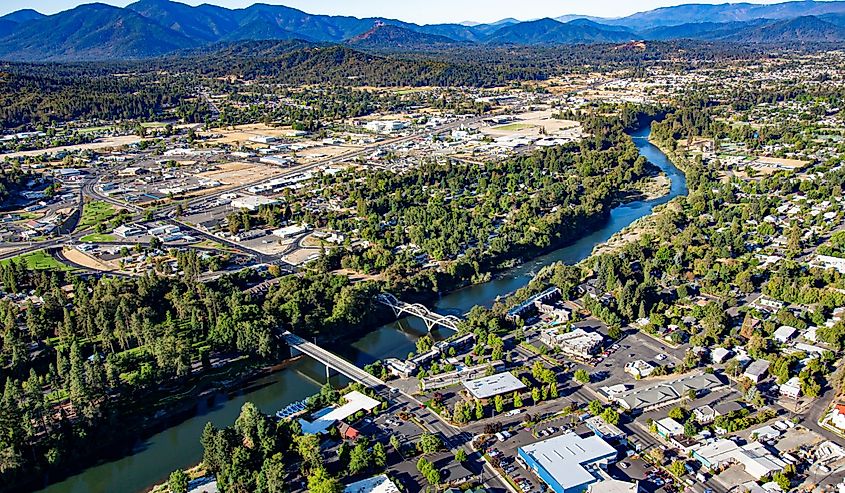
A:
531,123
239,173
243,133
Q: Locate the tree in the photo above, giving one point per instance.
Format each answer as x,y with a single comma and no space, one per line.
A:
360,457
678,413
308,447
610,416
498,403
395,443
320,481
595,407
178,482
517,400
581,376
430,443
677,468
379,455
479,410
461,455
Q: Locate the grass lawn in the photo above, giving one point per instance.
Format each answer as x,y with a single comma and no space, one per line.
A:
98,238
40,260
94,213
513,127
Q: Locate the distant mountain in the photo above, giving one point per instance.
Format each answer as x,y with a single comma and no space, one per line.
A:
728,12
550,31
386,36
149,28
91,32
806,29
206,22
572,17
699,31
24,15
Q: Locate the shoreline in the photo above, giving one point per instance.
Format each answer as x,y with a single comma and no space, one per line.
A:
651,188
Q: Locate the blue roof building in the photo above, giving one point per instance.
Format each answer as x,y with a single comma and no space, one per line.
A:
568,463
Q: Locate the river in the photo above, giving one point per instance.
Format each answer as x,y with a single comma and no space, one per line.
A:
177,447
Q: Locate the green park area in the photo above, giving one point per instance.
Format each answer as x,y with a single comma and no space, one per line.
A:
96,212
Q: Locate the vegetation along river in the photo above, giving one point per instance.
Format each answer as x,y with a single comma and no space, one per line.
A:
178,446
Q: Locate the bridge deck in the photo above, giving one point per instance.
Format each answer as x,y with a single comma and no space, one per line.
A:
333,361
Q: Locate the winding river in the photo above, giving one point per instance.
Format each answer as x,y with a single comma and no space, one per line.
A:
154,458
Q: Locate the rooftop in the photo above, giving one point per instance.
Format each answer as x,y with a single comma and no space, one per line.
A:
486,387
375,484
565,457
665,393
355,401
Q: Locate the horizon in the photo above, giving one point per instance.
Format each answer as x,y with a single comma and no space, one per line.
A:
433,12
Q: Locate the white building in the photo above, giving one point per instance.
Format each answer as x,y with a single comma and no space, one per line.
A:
784,333
487,387
290,231
376,484
323,419
126,231
836,417
792,388
639,368
754,457
252,202
578,342
757,370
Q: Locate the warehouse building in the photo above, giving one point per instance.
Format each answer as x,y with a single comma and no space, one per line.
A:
568,463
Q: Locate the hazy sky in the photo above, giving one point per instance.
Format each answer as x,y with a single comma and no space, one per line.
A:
419,11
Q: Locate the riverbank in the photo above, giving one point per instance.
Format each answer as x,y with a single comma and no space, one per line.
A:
153,458
646,224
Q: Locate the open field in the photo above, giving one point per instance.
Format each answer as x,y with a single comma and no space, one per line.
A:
243,133
98,238
94,213
39,260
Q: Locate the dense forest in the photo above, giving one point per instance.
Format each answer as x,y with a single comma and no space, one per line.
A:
38,94
88,361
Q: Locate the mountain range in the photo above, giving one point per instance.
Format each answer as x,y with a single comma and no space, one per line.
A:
151,28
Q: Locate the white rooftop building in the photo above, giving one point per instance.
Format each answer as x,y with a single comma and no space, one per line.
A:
578,342
376,484
754,457
252,202
487,387
355,401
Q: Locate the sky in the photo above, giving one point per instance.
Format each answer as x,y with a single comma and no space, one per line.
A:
417,11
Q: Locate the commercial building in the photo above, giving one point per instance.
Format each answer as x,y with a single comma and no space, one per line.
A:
290,231
669,392
578,343
487,387
325,418
639,368
376,484
754,457
568,463
669,428
604,429
252,202
613,486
